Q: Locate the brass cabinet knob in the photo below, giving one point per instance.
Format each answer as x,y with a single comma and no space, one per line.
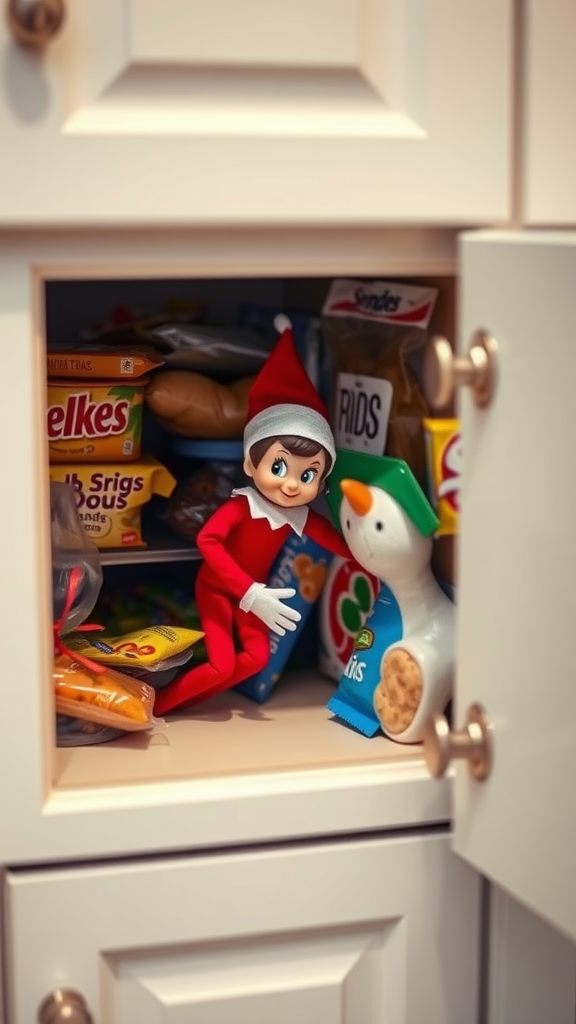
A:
473,742
33,23
64,1005
444,371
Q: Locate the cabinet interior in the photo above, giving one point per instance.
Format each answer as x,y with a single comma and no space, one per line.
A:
230,734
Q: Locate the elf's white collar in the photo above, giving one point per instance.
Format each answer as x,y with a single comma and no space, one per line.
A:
261,508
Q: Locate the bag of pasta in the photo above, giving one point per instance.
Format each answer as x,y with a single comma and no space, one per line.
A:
374,331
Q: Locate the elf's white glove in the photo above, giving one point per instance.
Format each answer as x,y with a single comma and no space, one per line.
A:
267,604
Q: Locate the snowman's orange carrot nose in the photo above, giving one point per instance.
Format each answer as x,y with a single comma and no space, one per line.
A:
358,495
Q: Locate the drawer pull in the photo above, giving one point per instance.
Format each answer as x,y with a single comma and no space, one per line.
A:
33,23
472,743
64,1005
444,371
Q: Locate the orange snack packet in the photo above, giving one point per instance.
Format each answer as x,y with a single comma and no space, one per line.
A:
106,697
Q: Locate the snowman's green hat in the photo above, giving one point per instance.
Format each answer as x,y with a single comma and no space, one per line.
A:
392,475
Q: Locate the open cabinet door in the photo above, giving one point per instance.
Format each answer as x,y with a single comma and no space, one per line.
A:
517,606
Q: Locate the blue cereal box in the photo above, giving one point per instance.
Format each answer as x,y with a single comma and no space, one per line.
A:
302,564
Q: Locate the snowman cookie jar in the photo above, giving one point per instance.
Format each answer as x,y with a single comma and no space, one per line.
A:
401,669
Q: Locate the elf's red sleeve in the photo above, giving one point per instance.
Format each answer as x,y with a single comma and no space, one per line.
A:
321,530
215,544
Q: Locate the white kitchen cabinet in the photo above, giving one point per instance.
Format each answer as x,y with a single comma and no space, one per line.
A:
282,773
347,931
253,864
549,137
261,112
225,778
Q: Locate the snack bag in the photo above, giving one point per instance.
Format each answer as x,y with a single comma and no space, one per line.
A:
101,695
354,699
346,601
109,497
444,465
84,689
155,648
372,330
301,564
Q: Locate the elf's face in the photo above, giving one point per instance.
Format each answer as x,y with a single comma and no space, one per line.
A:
285,479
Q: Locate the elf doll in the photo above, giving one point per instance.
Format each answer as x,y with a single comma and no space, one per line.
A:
288,453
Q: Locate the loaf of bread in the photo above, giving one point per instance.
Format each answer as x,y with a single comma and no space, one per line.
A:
191,404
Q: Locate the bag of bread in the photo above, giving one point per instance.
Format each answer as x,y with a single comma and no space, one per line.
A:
372,330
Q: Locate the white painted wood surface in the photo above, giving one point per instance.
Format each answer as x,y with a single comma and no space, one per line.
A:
531,967
261,112
549,124
338,933
517,615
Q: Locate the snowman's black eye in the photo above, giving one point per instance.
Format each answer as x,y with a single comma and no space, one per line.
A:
379,526
347,524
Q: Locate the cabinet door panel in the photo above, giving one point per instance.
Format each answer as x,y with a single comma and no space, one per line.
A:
261,111
385,929
517,615
549,158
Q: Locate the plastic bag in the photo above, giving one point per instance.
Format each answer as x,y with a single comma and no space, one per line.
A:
102,695
372,330
217,350
198,496
72,549
154,648
83,689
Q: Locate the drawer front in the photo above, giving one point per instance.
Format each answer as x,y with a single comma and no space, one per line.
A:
349,932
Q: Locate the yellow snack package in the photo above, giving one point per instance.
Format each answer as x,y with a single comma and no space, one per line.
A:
154,648
110,496
106,697
444,469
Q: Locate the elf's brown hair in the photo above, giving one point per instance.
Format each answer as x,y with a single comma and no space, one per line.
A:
295,445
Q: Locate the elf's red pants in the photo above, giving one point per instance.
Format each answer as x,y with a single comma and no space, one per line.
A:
220,616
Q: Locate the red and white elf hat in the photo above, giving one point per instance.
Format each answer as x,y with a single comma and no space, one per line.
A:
283,400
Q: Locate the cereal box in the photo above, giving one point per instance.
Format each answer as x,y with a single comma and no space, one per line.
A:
301,564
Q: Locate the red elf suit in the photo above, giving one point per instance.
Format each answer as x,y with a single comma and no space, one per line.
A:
241,540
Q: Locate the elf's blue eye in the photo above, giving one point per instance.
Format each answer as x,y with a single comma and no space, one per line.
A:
279,467
308,476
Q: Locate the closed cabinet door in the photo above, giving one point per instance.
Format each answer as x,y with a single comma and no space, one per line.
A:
259,111
549,133
517,614
371,931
